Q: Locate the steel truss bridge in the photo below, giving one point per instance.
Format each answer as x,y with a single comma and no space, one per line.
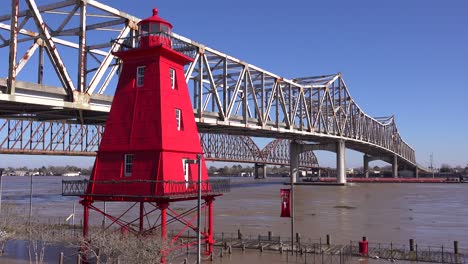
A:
61,71
22,136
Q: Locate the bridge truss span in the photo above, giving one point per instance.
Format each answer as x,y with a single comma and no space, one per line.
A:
239,98
229,96
221,147
27,136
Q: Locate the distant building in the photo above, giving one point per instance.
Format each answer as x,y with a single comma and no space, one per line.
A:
21,173
71,174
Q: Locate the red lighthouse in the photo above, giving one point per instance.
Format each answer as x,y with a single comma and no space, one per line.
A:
150,143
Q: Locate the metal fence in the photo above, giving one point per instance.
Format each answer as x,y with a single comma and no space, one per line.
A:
304,251
177,44
165,188
414,252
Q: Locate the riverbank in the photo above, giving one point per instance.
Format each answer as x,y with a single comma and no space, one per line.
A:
332,181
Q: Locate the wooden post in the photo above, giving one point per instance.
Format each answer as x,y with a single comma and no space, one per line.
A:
411,245
328,240
442,253
61,258
416,252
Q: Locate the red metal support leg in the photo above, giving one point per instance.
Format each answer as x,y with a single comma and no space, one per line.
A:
163,207
210,240
86,203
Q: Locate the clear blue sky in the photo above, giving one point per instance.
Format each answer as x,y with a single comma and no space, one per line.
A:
403,58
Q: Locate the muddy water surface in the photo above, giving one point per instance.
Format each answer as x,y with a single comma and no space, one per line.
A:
432,214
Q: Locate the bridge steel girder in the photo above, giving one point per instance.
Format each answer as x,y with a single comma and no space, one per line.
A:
28,136
229,96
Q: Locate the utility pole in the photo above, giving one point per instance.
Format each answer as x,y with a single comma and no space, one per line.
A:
199,161
1,188
199,183
30,198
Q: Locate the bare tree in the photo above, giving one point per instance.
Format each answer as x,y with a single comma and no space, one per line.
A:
110,246
39,236
10,225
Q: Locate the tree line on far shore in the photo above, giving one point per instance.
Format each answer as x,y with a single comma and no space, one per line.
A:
47,171
235,169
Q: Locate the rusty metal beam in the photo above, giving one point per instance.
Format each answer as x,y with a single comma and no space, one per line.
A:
82,49
13,47
52,49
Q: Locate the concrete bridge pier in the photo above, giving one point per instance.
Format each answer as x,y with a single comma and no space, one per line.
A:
416,172
294,151
262,167
340,162
395,166
366,166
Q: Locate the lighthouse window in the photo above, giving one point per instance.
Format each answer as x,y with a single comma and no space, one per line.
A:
155,28
173,77
128,162
144,28
185,164
164,29
178,114
140,76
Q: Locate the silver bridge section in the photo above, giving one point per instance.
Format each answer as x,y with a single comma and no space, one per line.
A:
61,138
69,41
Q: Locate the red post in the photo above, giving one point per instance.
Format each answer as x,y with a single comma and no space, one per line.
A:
163,207
210,240
86,203
363,247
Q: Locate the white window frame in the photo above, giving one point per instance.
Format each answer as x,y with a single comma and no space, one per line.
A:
128,164
140,76
172,75
185,166
178,115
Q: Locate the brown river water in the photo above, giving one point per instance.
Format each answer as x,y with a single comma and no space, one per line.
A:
432,214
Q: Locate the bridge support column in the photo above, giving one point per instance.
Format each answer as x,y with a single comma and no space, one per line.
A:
294,151
263,168
416,172
395,166
366,166
340,162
